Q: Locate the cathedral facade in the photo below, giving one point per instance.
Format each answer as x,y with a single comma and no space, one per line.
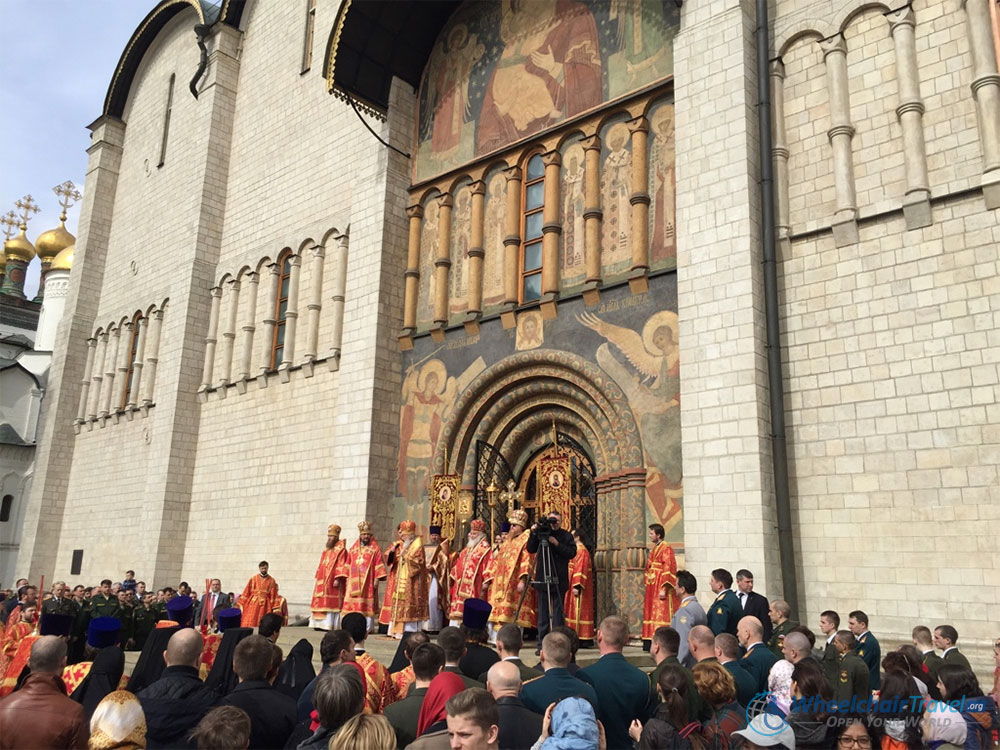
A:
331,251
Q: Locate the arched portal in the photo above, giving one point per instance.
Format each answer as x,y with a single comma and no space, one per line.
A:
513,406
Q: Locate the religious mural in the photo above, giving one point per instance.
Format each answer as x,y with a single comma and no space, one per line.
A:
496,199
632,338
573,270
616,190
662,245
461,227
428,252
504,70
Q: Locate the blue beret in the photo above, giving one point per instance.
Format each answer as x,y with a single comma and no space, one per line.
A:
103,631
228,618
179,609
53,624
476,613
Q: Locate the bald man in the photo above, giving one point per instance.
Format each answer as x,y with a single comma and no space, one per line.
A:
701,643
520,727
758,659
795,647
176,702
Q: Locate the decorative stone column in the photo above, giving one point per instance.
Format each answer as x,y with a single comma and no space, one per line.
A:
986,91
313,308
107,387
340,296
81,411
779,148
637,281
291,318
119,393
210,341
98,376
269,321
551,231
246,351
411,278
845,224
476,255
229,335
442,264
592,216
152,358
917,200
511,246
137,367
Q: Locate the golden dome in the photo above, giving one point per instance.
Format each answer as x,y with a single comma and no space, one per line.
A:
64,260
19,248
49,244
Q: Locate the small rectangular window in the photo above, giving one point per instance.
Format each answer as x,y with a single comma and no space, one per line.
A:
77,565
166,121
5,505
307,46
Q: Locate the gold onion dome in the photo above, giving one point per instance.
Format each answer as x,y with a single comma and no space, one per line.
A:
49,244
19,248
64,260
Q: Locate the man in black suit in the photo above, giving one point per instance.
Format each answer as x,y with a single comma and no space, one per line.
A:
520,727
509,644
272,713
563,549
214,600
453,642
427,661
752,602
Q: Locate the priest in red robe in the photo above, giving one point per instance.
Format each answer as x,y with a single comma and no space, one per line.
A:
468,573
661,577
328,593
579,603
509,576
258,598
391,556
363,568
410,597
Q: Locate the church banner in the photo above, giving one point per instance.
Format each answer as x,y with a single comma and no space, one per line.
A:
444,495
555,491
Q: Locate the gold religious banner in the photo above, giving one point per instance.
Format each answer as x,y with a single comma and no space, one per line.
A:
444,497
554,490
466,499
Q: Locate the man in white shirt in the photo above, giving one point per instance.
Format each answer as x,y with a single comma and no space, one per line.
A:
212,601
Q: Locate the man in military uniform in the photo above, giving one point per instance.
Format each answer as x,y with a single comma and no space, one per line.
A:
126,616
689,614
852,674
946,638
779,613
144,619
867,647
758,659
725,612
59,603
933,662
829,623
102,603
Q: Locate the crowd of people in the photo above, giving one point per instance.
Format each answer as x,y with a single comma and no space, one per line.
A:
741,674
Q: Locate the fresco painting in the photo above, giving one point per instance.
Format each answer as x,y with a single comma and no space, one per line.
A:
429,238
572,266
504,70
458,276
616,191
496,198
662,243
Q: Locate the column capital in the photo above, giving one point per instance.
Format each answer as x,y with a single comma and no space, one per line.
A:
478,187
833,44
593,143
902,17
415,211
778,68
446,201
638,125
512,173
552,158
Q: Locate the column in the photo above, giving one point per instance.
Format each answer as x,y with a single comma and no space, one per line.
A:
512,240
137,365
986,91
411,278
152,358
551,230
592,216
110,358
267,337
476,251
639,128
315,302
917,201
81,411
845,226
340,295
210,340
779,148
443,261
229,334
291,317
98,377
250,316
124,355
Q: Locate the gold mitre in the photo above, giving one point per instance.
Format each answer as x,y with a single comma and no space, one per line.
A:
333,530
519,517
365,527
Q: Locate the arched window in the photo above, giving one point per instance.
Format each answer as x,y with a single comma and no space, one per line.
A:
531,231
133,347
281,309
5,505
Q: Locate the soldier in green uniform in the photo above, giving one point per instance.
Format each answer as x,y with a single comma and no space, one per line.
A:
144,619
867,647
758,659
933,662
725,612
946,638
59,603
161,604
852,673
102,603
779,614
126,615
829,623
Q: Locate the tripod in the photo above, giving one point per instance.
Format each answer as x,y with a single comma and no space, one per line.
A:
547,578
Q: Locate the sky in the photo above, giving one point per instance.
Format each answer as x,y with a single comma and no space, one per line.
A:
56,61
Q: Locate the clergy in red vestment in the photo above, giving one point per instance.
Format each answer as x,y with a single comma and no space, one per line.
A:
579,604
437,555
328,593
258,598
410,598
391,556
363,568
468,573
661,577
377,675
508,575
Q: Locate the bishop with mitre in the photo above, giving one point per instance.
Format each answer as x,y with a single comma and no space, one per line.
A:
328,593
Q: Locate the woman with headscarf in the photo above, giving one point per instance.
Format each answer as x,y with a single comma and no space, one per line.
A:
779,683
432,724
296,671
102,679
222,679
570,724
118,723
943,727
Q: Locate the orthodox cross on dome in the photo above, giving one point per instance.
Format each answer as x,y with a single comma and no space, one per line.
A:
9,221
68,195
28,207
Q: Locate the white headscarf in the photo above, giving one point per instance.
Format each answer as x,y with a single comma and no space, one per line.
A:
944,724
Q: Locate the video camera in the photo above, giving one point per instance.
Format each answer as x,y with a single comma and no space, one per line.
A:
543,529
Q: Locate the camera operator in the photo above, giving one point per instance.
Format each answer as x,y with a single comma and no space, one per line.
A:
563,550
